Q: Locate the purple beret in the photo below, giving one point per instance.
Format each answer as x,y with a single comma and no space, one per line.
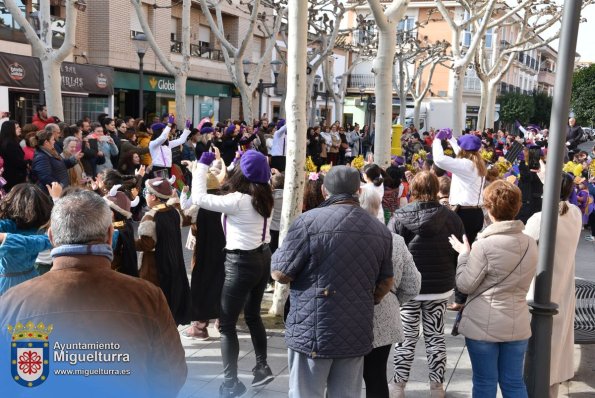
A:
280,123
207,130
207,124
399,160
470,142
157,126
255,167
231,129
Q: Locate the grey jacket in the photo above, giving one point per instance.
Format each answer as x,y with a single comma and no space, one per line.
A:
387,315
335,257
499,313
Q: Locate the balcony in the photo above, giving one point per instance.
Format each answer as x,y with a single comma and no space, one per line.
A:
357,80
198,51
546,77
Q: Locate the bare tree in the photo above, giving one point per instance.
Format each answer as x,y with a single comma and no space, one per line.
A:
180,72
386,20
236,55
461,56
41,44
491,64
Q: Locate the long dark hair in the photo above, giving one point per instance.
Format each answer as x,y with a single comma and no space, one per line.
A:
374,174
8,133
565,190
262,194
27,205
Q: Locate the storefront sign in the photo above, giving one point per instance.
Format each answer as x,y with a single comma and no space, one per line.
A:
19,71
163,84
22,71
90,79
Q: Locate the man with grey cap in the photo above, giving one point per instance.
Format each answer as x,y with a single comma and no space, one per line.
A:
338,260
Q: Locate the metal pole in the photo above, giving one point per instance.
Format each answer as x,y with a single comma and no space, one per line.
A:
537,364
141,90
260,91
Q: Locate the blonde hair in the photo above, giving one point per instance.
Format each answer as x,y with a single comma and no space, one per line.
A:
475,157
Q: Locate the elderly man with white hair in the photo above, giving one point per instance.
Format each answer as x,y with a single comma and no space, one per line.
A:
94,319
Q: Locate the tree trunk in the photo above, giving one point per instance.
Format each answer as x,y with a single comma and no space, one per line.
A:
457,98
339,108
481,117
402,93
491,103
295,176
181,111
383,64
247,105
417,112
52,85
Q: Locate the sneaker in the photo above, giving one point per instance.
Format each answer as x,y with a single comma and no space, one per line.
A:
270,288
590,238
194,333
262,375
233,389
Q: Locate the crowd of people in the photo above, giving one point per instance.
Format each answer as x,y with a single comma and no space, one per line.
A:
376,254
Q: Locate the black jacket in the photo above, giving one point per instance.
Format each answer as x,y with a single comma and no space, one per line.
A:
426,227
15,165
573,136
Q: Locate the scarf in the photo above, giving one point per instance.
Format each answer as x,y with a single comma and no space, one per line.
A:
103,249
345,198
52,152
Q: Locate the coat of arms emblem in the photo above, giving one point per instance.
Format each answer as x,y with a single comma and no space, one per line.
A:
30,353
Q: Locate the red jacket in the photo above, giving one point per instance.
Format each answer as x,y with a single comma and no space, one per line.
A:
40,124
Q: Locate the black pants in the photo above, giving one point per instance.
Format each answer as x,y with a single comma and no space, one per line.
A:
246,277
375,372
473,223
592,222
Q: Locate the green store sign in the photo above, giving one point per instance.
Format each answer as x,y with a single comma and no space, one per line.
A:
162,84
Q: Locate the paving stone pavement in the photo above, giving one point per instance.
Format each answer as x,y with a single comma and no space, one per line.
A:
205,370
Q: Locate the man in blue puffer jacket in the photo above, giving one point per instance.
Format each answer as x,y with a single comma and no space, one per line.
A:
338,260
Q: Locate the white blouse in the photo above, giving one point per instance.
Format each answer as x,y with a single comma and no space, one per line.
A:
244,227
466,186
161,154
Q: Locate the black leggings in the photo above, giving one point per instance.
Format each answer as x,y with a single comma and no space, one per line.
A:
592,222
375,372
246,277
473,222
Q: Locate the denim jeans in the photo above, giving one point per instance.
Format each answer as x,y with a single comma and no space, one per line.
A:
497,363
308,377
246,277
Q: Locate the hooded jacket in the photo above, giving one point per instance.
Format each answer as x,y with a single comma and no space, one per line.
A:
426,227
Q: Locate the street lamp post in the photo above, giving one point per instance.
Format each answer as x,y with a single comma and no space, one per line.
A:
362,90
276,67
316,94
141,44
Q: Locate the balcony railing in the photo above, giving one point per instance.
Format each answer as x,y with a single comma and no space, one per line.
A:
546,77
357,80
198,51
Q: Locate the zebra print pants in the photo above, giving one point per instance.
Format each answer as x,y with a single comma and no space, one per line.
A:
431,313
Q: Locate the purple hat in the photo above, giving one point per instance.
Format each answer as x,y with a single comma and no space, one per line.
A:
399,160
280,123
207,130
207,124
470,142
255,167
231,129
157,126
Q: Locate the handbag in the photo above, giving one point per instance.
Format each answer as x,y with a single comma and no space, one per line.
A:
455,327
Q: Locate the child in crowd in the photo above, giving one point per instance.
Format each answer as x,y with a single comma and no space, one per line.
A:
160,240
23,214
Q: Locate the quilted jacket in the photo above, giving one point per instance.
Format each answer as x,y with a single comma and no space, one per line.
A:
426,227
335,256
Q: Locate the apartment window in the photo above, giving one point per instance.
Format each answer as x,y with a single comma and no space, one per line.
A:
135,26
406,30
489,37
257,50
204,36
175,29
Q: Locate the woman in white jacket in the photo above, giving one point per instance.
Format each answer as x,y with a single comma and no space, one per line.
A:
563,291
